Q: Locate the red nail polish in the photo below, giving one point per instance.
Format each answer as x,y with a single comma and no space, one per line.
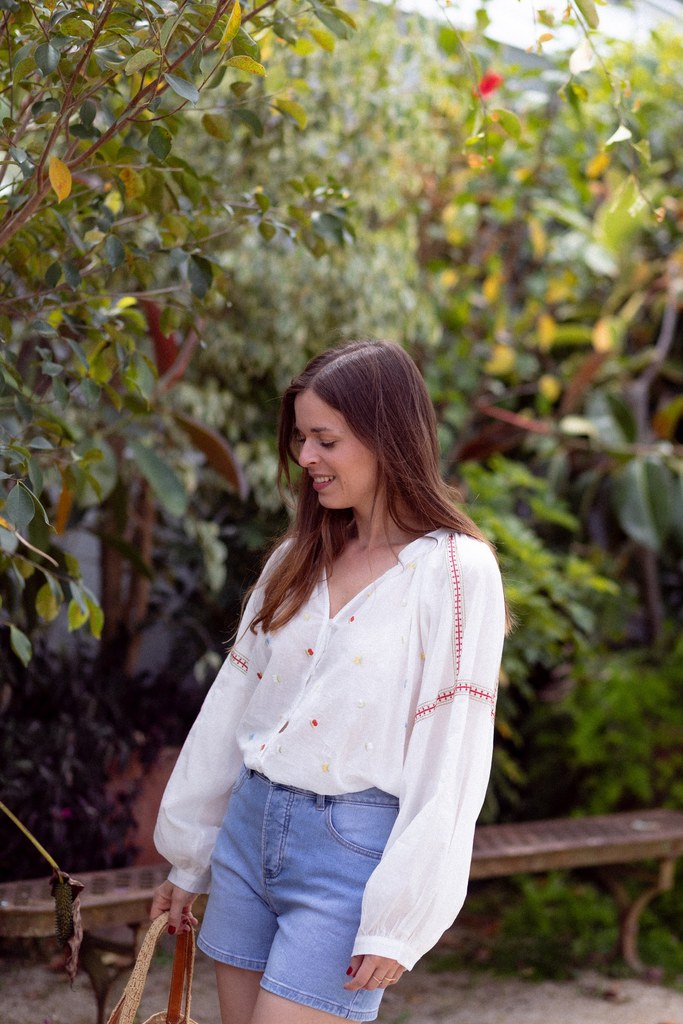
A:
350,970
171,930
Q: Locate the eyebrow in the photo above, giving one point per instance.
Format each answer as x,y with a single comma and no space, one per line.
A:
315,430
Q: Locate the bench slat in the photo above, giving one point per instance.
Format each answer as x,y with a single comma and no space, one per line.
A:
110,898
576,842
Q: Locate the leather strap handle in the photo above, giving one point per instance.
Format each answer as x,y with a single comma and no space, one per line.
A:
181,977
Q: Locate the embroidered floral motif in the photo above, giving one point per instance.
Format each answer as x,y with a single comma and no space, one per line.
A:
239,661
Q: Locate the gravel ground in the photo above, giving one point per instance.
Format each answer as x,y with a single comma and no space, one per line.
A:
32,993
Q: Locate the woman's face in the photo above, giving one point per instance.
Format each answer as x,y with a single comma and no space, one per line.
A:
342,470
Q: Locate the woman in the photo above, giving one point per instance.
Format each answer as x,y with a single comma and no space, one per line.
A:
351,725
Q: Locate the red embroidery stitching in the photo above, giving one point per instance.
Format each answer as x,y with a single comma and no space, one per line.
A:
461,688
456,587
239,661
446,696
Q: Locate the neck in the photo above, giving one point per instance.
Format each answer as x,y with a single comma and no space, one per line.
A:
379,531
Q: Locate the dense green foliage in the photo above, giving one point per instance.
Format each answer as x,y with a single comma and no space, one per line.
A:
530,260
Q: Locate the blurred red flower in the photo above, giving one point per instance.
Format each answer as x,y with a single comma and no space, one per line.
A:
489,83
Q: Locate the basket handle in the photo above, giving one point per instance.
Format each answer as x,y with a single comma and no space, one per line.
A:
181,977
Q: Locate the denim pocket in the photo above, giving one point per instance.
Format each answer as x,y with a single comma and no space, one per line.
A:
361,827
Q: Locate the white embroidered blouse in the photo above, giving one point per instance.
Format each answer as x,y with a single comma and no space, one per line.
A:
397,691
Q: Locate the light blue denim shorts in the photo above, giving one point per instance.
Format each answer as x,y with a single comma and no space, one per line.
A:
287,880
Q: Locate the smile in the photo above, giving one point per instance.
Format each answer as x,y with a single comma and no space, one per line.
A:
321,482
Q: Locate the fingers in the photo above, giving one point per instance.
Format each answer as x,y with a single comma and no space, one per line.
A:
373,972
178,902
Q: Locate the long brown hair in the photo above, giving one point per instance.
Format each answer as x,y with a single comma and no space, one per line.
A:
379,391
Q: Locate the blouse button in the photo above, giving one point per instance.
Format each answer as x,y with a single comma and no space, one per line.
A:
361,703
369,746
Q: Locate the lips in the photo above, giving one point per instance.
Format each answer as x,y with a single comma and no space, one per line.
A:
321,482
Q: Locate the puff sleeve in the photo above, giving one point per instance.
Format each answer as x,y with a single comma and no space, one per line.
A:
197,793
419,886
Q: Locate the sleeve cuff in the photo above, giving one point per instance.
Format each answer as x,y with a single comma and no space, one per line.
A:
380,945
190,881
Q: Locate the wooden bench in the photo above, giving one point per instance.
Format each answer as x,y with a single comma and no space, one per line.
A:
596,842
123,896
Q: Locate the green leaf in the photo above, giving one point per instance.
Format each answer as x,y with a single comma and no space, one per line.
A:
114,251
47,58
641,498
141,59
96,620
160,141
332,19
244,44
19,507
200,275
588,10
249,118
218,126
163,480
8,540
186,90
47,604
87,113
508,121
21,645
248,64
96,471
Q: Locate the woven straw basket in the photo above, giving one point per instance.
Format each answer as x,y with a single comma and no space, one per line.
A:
181,980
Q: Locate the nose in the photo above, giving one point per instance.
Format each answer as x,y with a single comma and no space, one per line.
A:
307,455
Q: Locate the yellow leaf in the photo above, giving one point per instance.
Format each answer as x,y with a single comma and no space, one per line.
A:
502,361
547,330
491,287
597,166
60,178
114,202
247,64
133,183
233,26
295,111
538,238
606,334
449,278
323,38
550,387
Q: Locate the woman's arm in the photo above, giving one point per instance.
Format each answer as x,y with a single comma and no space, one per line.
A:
415,893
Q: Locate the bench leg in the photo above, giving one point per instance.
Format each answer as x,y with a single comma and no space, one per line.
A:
102,969
630,910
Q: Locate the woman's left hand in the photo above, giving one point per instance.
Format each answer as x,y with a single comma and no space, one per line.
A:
373,972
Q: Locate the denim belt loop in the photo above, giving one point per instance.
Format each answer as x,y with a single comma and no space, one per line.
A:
319,802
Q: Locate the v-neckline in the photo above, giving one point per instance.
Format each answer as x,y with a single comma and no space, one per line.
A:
373,583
